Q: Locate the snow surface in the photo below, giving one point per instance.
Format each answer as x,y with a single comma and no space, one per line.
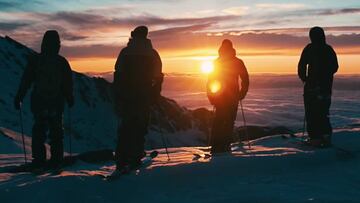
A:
274,170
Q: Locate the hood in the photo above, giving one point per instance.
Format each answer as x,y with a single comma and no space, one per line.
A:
139,45
317,35
50,43
140,32
226,49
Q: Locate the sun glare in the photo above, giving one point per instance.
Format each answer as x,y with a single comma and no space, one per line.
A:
215,86
207,67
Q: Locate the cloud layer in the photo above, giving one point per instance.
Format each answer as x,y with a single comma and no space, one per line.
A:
262,28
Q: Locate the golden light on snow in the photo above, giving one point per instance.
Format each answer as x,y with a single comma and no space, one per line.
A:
215,86
207,67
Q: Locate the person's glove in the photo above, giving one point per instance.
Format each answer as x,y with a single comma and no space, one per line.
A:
17,102
70,101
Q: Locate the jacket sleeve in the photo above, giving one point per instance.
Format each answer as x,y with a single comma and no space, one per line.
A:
27,78
68,82
333,61
158,75
302,65
245,82
117,75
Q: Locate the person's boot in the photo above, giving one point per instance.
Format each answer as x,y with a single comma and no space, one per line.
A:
320,142
135,164
220,149
37,166
55,164
121,169
314,142
326,140
56,160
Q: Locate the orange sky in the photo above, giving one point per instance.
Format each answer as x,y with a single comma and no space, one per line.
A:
262,51
349,64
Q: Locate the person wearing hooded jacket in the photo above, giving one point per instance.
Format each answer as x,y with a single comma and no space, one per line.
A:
50,77
137,84
224,93
317,66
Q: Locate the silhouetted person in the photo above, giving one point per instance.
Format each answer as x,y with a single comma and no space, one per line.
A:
224,93
50,77
317,65
137,84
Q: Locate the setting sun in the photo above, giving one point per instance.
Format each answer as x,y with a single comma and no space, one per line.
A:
207,67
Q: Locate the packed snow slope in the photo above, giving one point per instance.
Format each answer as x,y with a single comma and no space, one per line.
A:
274,170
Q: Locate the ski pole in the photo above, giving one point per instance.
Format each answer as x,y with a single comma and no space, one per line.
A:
70,141
304,122
22,133
210,131
304,125
246,131
164,143
163,138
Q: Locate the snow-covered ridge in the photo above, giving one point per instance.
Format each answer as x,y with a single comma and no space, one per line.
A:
93,122
273,170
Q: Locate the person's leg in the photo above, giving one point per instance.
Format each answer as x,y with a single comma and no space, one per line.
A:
318,123
126,138
325,128
229,124
143,130
122,147
310,115
56,136
327,123
119,149
38,138
218,130
140,129
318,117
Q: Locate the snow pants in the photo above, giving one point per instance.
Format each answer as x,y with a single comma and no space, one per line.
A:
48,123
132,128
223,126
317,115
